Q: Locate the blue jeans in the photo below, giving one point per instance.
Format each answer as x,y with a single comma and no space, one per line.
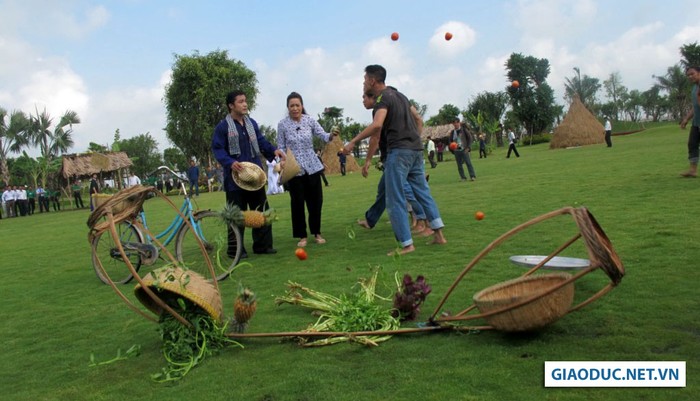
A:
406,165
375,211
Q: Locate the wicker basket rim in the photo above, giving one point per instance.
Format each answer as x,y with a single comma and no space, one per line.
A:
542,278
199,291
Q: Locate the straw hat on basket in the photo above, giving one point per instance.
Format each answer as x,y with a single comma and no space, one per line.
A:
251,178
291,168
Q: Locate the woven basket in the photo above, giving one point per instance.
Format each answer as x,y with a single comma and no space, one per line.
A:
169,283
100,199
545,309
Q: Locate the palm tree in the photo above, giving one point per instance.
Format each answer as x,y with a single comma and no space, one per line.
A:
586,88
13,137
51,144
677,86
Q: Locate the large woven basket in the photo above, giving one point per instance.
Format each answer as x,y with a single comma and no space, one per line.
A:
169,283
545,309
100,199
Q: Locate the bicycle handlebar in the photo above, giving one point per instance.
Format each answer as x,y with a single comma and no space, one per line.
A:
178,175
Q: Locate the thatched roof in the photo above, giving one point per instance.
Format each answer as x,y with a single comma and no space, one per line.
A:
329,155
578,128
437,132
86,164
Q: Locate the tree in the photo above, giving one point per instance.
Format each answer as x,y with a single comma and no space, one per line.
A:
533,100
195,98
691,55
586,88
633,105
615,91
96,147
489,107
13,137
51,143
143,151
269,133
420,108
677,87
175,159
653,104
446,115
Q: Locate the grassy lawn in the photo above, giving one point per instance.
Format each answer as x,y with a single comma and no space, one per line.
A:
57,312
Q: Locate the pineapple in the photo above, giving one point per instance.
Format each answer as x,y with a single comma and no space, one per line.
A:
250,218
243,309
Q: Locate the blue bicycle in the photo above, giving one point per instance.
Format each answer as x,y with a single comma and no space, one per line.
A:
221,241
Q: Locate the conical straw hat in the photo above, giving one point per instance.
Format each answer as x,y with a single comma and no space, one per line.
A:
291,168
251,178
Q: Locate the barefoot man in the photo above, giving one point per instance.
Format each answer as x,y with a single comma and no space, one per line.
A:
402,125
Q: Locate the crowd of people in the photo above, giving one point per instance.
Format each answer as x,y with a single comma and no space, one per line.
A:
25,200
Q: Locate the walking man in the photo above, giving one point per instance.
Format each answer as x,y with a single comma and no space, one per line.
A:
404,163
693,74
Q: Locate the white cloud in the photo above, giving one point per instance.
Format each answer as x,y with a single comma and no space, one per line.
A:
463,37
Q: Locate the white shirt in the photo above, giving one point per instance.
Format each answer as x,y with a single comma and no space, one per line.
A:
21,194
431,146
134,180
608,126
511,137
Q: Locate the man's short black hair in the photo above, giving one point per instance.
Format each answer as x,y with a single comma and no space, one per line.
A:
377,72
231,96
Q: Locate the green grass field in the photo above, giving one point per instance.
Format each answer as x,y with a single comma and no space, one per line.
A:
56,312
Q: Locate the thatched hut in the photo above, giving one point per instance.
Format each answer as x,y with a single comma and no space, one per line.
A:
437,133
579,128
86,164
329,155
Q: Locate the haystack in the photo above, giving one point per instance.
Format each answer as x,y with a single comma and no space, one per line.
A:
329,155
578,128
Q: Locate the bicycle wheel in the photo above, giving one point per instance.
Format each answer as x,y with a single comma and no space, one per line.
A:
105,251
221,241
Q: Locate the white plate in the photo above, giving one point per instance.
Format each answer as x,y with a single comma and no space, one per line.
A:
556,263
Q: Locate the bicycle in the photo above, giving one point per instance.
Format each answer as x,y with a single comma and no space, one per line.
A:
143,248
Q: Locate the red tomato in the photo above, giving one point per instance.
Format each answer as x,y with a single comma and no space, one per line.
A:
301,253
479,215
515,84
448,36
453,146
395,36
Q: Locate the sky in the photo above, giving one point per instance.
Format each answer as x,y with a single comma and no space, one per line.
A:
110,61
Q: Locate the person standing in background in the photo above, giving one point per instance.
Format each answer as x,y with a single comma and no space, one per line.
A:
463,139
77,197
94,190
193,177
430,147
693,74
511,144
608,132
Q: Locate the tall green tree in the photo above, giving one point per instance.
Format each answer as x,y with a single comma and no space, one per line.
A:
51,143
487,109
633,102
195,99
677,87
615,91
445,115
585,87
691,55
175,159
13,138
269,133
653,104
420,108
532,101
143,151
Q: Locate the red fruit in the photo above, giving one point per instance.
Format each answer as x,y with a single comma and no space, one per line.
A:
515,84
479,215
301,253
453,146
448,36
395,36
